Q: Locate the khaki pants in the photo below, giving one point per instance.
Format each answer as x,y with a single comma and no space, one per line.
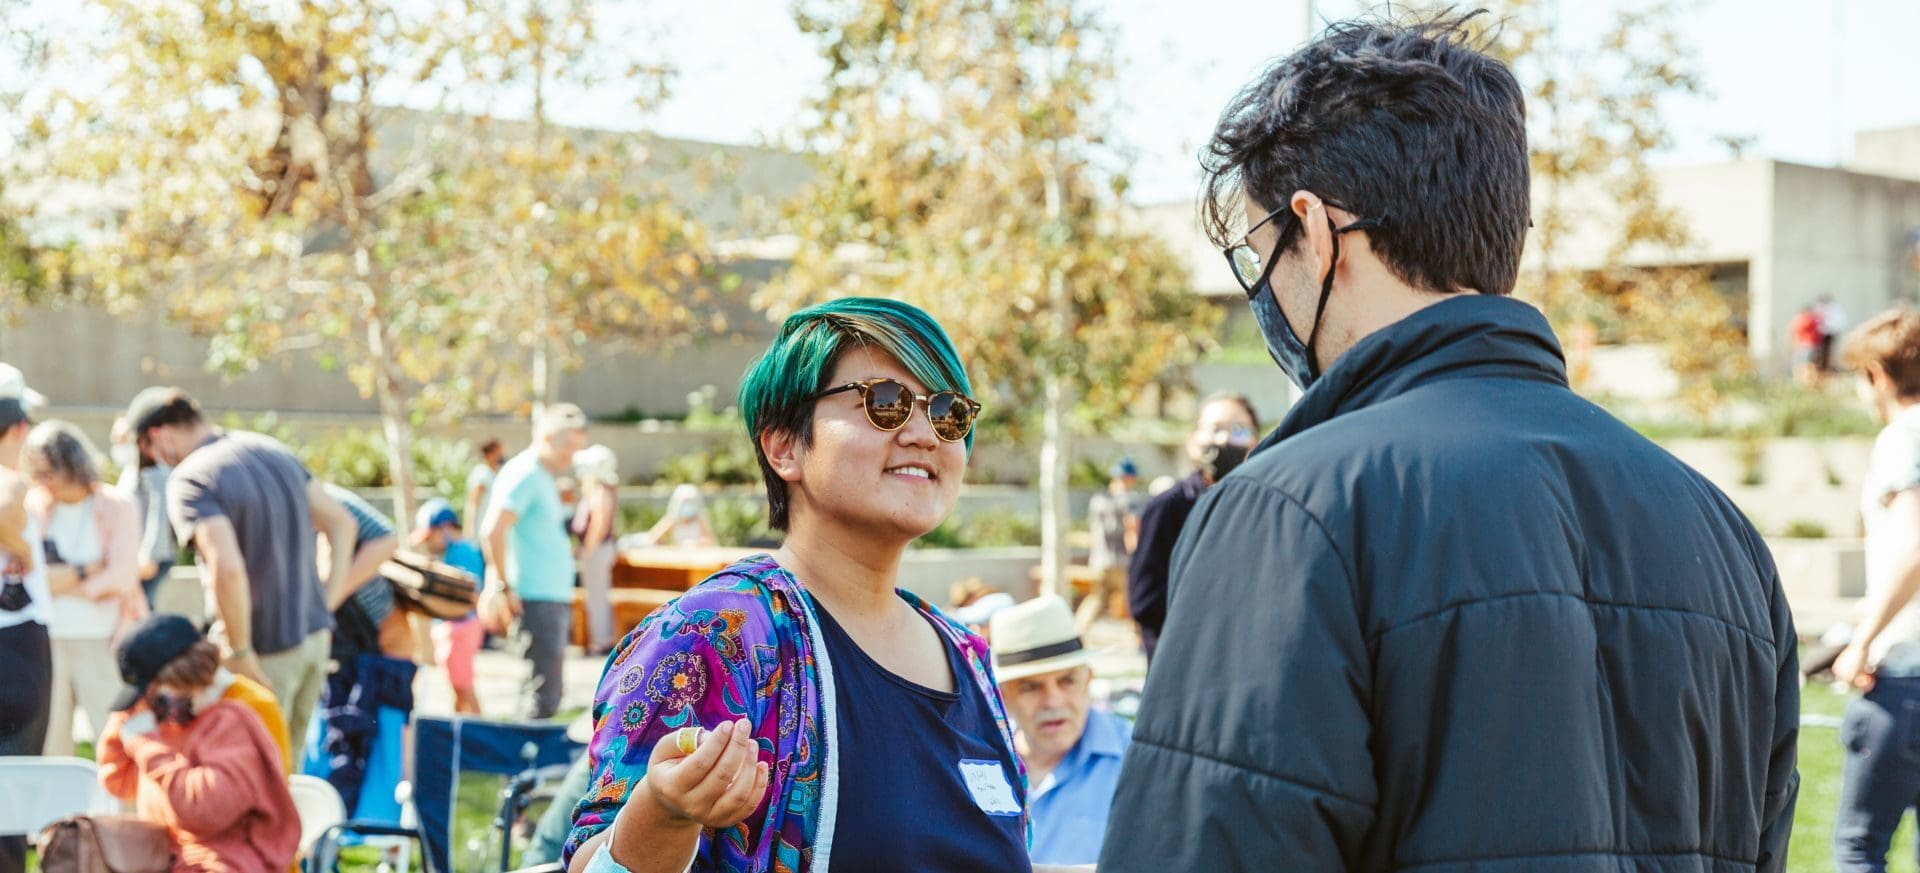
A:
298,675
596,576
84,677
1109,584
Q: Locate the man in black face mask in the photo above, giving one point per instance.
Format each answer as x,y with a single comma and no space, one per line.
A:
1449,616
1220,441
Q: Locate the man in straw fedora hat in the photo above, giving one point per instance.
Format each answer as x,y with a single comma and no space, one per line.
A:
1072,751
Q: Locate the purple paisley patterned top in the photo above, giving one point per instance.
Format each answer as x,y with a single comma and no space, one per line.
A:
744,643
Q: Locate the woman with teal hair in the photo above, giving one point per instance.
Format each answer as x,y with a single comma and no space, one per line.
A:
797,710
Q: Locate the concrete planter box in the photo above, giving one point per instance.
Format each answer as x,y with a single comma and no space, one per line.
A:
930,572
1791,480
926,572
1823,579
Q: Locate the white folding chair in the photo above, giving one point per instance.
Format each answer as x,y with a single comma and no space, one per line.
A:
40,791
319,805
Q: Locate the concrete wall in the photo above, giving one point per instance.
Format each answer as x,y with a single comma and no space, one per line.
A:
82,357
1893,152
1834,232
1811,480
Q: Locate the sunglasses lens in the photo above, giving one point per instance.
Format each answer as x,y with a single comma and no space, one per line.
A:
1246,265
951,414
888,405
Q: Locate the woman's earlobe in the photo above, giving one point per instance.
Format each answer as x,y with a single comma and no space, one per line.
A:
783,453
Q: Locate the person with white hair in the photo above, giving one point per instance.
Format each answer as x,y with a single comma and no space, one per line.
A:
685,525
594,521
1072,751
529,557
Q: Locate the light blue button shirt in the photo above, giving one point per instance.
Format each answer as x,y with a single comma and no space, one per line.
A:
1070,806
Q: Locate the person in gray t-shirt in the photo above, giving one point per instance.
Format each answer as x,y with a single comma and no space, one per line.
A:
250,509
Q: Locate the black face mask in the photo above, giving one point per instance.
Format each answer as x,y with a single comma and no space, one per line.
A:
13,588
172,708
1216,461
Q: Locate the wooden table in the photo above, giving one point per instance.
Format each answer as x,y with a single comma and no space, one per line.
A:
670,568
647,578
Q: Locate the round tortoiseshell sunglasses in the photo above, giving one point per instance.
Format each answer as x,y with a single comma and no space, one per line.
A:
889,404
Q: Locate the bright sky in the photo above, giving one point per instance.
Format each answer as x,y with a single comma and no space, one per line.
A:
1800,76
1773,69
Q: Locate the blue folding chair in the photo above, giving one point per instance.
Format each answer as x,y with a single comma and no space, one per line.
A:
446,748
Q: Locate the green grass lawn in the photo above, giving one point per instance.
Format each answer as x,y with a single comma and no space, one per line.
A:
1820,758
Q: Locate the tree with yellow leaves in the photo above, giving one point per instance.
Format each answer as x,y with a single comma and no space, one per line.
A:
250,182
964,165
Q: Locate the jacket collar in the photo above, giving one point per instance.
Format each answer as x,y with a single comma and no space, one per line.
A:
1473,335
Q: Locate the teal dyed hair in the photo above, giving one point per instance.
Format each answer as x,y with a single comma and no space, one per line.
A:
774,395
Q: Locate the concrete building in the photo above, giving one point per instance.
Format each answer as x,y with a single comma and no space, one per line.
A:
1778,235
1775,236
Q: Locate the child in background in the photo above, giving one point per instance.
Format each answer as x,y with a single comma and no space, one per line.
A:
436,530
189,744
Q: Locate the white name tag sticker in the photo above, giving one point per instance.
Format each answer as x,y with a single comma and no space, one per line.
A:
987,782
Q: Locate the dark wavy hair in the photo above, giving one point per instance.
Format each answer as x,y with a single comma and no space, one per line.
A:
1408,122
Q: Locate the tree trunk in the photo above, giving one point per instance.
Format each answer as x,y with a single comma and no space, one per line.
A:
542,371
394,422
1055,514
1056,451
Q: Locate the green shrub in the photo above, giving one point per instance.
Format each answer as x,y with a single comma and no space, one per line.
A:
1002,528
984,530
740,522
946,536
357,457
639,517
732,462
1751,452
1803,529
1087,473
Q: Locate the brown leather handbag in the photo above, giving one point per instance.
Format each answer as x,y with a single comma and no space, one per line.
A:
105,844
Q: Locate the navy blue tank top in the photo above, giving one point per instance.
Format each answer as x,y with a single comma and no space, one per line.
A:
926,784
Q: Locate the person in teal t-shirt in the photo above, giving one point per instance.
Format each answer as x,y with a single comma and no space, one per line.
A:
529,557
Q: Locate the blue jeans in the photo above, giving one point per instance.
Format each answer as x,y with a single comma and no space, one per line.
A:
1881,778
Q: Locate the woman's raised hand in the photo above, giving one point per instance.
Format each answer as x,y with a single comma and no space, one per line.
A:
714,778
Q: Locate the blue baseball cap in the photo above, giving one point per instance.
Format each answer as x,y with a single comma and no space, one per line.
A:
434,513
1125,467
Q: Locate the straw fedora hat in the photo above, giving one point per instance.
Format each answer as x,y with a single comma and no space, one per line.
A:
1035,637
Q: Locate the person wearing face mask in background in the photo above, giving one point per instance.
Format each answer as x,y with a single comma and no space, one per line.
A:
685,525
1220,440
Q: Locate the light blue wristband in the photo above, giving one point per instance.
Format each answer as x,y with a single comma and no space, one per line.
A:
602,861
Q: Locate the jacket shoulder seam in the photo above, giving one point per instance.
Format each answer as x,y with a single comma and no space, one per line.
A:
1604,604
1257,771
1346,566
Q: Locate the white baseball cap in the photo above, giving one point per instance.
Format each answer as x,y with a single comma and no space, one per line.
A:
17,401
